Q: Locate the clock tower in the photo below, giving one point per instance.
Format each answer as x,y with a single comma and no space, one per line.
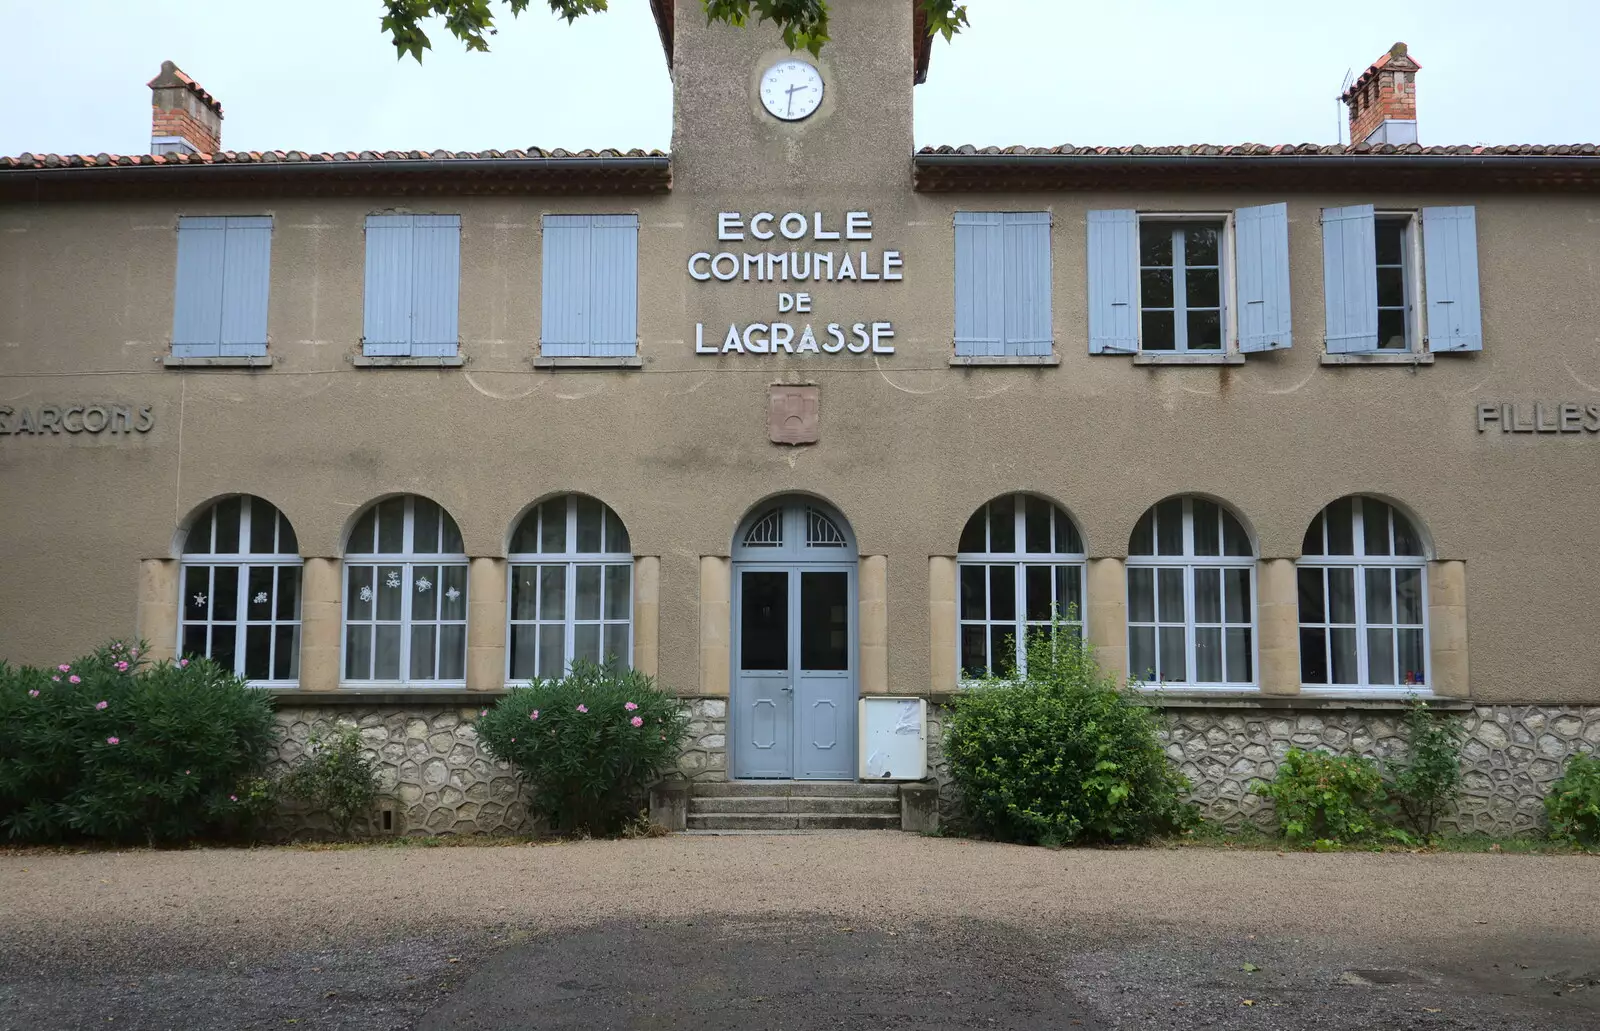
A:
752,118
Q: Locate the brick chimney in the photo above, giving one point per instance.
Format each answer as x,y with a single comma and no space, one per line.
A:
1383,101
185,119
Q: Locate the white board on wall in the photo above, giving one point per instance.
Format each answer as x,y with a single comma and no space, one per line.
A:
894,738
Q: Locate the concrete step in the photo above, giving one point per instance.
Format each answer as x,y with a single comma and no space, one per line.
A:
791,821
869,805
792,789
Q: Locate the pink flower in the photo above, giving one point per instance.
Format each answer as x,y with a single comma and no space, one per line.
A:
637,721
113,740
122,667
64,667
483,712
183,663
185,773
56,678
533,715
74,679
133,652
630,706
101,705
582,707
233,798
116,646
33,694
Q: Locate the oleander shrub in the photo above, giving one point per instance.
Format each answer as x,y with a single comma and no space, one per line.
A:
1573,805
112,748
1062,753
589,745
1425,782
335,777
1324,799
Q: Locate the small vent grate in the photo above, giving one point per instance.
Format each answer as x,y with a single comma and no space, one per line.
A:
821,531
767,532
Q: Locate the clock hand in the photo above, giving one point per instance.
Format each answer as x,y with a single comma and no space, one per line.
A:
792,91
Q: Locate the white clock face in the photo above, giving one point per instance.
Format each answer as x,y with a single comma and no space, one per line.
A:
791,90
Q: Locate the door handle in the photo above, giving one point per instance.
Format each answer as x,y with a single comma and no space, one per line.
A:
788,688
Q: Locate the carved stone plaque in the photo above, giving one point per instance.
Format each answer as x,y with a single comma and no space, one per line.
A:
792,415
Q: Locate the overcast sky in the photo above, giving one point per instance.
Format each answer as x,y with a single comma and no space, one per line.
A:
317,75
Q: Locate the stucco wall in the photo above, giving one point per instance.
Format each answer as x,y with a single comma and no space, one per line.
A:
909,446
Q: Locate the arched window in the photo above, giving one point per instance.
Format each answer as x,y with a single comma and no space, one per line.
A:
1020,563
571,588
1191,596
241,591
405,598
1363,598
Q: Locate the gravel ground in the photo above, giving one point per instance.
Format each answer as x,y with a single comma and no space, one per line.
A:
863,929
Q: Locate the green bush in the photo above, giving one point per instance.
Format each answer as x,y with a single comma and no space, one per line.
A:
588,746
1573,804
108,748
1061,753
1427,780
1326,799
334,777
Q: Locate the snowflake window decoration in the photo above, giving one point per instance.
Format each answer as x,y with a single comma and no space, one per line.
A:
199,601
393,579
260,598
423,584
366,594
452,594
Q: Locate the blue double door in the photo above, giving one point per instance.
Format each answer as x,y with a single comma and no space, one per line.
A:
794,690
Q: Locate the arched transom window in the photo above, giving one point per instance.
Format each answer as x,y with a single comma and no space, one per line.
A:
405,603
1191,596
241,591
1020,563
571,589
1363,598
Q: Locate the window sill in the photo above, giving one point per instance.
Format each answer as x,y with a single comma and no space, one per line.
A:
1234,698
261,361
626,361
1375,358
390,694
961,360
396,361
1147,358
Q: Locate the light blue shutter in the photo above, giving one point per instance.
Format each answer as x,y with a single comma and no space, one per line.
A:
614,285
246,276
435,284
1113,282
197,298
387,302
1261,250
1450,259
980,283
1350,278
566,300
1027,328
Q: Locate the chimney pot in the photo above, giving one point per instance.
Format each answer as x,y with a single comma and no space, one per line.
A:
184,118
1383,100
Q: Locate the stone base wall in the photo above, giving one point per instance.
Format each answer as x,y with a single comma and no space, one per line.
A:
705,755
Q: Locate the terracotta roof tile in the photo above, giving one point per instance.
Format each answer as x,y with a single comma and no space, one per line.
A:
1279,150
241,157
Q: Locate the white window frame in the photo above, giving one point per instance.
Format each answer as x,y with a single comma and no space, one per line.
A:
1412,278
1019,560
571,560
1359,563
243,561
1188,562
1225,286
408,559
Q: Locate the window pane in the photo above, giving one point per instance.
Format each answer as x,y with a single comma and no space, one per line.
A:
1067,540
616,645
1312,544
974,651
824,621
288,596
1157,332
1155,244
453,652
452,592
424,592
552,592
1003,592
1207,532
553,527
1202,289
1208,655
972,592
1003,526
391,591
1380,655
1173,668
386,652
586,642
1205,331
227,519
225,645
587,592
258,592
194,641
1408,595
1142,595
1341,596
452,536
286,653
1155,288
1142,652
619,591
1208,595
1389,235
1143,541
1375,526
391,526
1342,645
1069,592
1169,583
1380,600
196,592
764,620
552,651
225,592
423,639
1313,655
1311,607
972,542
1234,540
1406,541
1200,245
263,524
1037,522
526,539
1169,527
258,653
1241,662
364,538
1341,531
616,535
1003,650
1391,288
425,527
1040,594
1413,668
1237,583
590,522
198,540
358,603
287,543
524,592
524,652
358,653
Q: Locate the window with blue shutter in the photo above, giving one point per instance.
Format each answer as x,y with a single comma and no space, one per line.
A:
1003,284
1450,260
1261,257
1113,281
590,303
413,285
220,301
1350,278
